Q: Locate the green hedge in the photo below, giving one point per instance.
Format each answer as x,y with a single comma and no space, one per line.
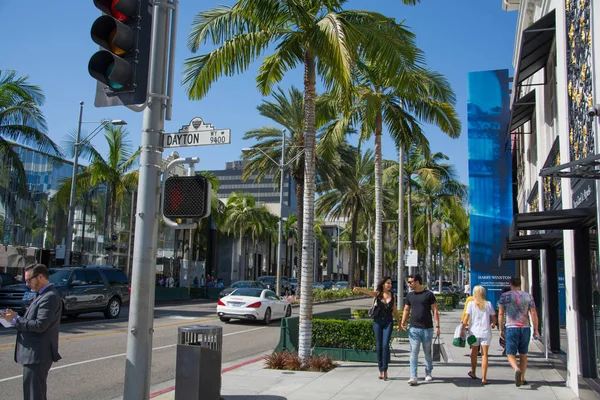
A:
320,295
351,334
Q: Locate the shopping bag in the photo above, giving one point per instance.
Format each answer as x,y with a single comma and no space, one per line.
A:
459,336
437,349
374,310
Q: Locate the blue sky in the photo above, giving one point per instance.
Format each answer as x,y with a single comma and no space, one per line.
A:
52,45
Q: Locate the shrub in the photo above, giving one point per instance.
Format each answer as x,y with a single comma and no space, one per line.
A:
361,313
351,334
276,360
320,363
290,361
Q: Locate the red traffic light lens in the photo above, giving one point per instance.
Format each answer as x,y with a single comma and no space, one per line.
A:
115,13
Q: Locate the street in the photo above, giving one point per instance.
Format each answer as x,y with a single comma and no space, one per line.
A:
93,349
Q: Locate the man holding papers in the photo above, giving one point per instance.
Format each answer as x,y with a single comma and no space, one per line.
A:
37,332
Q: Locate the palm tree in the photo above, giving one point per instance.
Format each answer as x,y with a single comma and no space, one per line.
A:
317,35
245,217
115,172
22,121
348,196
401,99
432,196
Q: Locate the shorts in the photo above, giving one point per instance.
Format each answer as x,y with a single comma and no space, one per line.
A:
483,341
517,340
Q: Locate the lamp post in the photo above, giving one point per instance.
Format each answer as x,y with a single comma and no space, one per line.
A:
71,219
281,165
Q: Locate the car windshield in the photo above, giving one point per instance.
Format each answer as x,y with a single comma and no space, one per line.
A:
293,280
57,276
250,292
268,279
241,285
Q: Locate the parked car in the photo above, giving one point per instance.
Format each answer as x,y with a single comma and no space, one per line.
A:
293,284
253,304
340,285
241,284
271,282
83,289
7,279
318,285
327,284
446,287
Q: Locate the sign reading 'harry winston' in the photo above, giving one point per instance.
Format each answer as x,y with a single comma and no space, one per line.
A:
197,133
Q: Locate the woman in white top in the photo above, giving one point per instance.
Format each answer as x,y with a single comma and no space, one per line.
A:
478,315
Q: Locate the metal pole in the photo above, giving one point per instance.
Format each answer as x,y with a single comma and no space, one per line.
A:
400,299
440,261
369,254
131,216
71,219
140,329
338,251
191,172
279,231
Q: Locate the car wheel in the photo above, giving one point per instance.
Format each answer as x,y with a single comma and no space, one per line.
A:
224,319
288,311
113,309
267,319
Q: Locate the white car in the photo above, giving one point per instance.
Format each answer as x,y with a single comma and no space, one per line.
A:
253,304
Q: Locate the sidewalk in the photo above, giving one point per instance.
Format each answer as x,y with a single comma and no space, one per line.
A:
247,379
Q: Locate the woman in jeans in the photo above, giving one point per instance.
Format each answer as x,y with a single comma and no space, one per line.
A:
383,323
479,312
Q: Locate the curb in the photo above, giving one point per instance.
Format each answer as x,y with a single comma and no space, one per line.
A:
224,370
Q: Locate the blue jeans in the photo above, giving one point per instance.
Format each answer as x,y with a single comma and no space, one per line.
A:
418,336
383,333
517,340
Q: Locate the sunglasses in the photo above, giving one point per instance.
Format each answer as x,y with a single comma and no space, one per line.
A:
410,282
30,279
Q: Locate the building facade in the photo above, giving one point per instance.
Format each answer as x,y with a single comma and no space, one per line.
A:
552,136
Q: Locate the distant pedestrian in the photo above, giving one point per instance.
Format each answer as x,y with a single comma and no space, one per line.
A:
169,281
422,306
515,307
480,312
383,323
467,289
37,332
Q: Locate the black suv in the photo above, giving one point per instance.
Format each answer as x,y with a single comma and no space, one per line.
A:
83,289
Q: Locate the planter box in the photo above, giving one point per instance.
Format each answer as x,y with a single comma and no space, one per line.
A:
347,354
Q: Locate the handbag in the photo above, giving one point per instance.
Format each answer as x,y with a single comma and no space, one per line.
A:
374,310
437,349
459,336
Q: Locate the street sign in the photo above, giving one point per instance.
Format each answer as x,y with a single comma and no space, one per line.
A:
197,133
412,258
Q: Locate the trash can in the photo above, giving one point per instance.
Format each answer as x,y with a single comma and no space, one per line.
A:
198,369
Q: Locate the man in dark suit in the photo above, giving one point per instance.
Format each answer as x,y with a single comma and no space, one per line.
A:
37,332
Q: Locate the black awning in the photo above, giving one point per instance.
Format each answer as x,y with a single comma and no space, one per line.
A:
519,255
535,241
585,168
554,220
522,111
536,44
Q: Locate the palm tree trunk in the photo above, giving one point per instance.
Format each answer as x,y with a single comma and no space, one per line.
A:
429,255
305,330
300,227
411,243
112,221
378,201
352,266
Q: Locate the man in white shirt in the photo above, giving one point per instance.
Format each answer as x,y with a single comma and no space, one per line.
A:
467,289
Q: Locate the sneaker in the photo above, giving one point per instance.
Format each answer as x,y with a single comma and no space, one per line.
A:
412,381
428,378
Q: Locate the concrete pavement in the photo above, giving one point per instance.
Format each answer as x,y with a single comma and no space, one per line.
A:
247,378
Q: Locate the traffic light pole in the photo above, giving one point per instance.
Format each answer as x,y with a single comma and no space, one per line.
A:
141,313
71,219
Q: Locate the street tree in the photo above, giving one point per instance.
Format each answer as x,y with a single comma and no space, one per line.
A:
116,172
318,35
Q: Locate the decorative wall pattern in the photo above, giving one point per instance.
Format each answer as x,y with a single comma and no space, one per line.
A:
552,185
579,75
533,200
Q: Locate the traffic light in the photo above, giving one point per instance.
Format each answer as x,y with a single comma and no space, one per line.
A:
122,64
461,264
186,197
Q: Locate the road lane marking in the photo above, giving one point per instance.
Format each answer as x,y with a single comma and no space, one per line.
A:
122,354
114,332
